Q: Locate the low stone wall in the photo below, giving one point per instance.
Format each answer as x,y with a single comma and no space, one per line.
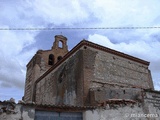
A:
152,102
153,98
116,113
115,109
12,111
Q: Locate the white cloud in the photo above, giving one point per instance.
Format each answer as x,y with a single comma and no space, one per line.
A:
144,48
121,13
110,13
13,60
12,63
59,12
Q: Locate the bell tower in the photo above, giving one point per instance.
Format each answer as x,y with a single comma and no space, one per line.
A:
41,62
59,47
60,43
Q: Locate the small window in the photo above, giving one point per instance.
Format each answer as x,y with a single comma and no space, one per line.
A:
124,91
59,58
51,59
60,45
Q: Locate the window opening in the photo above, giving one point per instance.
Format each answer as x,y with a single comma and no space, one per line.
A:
60,44
59,58
51,59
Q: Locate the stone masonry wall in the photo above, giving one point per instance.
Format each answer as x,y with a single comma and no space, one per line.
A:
101,96
103,69
63,85
86,69
152,101
109,112
10,111
120,112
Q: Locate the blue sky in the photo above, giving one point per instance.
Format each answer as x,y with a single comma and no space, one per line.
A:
18,46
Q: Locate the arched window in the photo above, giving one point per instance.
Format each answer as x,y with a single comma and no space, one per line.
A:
51,59
60,44
59,58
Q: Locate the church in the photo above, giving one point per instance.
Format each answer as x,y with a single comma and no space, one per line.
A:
98,82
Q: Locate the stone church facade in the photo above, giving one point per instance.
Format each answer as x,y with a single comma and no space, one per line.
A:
57,76
94,80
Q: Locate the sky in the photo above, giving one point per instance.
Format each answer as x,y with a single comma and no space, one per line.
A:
21,36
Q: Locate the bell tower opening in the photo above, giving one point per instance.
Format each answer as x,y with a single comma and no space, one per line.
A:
59,47
51,59
60,44
59,58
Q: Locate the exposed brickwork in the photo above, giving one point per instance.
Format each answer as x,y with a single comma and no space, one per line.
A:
89,63
41,62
